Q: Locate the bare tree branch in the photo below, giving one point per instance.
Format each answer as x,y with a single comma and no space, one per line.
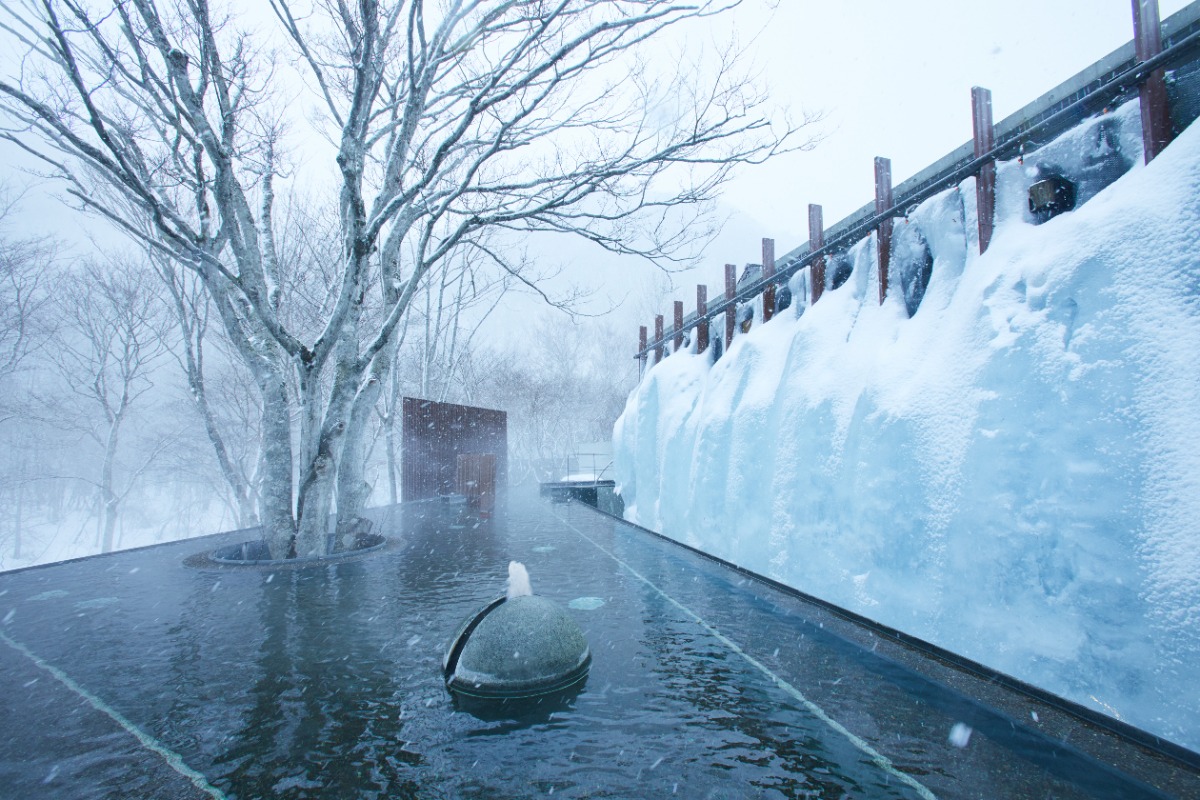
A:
457,130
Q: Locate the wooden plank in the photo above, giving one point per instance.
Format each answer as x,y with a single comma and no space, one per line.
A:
731,309
883,201
768,264
658,335
678,341
985,183
641,349
701,318
477,480
433,435
1152,93
984,138
816,240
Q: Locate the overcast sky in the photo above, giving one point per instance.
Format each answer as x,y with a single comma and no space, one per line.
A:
892,79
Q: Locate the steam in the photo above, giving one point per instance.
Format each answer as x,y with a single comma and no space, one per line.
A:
518,580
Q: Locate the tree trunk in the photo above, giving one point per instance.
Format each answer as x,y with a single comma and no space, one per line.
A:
318,475
108,497
247,509
315,497
353,491
243,494
391,457
276,503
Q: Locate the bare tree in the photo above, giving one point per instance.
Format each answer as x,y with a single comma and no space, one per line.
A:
447,121
434,343
231,433
24,329
25,326
113,333
24,264
563,386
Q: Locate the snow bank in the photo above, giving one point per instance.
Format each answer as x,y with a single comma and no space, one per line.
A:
1013,473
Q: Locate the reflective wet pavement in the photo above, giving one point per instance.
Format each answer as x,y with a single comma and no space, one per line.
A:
140,675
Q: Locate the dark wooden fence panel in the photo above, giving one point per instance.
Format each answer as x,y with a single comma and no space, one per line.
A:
434,435
477,480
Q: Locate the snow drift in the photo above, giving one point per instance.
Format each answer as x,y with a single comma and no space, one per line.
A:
1012,473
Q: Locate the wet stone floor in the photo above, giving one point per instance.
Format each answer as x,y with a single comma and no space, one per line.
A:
157,673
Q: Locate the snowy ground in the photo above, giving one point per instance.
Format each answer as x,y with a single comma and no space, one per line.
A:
1013,473
70,531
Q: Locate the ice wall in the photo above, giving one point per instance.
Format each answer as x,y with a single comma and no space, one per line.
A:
1013,473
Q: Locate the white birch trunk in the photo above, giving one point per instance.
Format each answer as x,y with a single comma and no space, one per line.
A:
276,464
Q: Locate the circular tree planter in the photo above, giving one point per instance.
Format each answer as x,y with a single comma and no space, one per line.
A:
256,553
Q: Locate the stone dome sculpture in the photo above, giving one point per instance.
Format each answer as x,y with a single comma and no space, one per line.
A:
517,646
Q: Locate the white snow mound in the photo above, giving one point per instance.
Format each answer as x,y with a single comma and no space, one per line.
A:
1013,473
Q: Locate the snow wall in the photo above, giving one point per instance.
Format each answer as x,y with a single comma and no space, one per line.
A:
1013,473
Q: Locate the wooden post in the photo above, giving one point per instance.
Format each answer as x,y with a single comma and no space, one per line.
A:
768,259
1156,113
816,240
731,309
658,334
641,349
678,326
883,201
985,182
701,321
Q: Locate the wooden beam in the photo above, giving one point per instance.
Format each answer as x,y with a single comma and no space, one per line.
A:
768,264
985,182
678,341
641,349
731,309
816,240
701,322
1156,111
883,201
658,334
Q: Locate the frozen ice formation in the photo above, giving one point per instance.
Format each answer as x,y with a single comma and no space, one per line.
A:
1012,473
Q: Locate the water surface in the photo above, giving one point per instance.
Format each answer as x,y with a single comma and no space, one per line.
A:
326,681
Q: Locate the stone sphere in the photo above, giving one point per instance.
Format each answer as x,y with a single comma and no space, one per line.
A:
523,647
